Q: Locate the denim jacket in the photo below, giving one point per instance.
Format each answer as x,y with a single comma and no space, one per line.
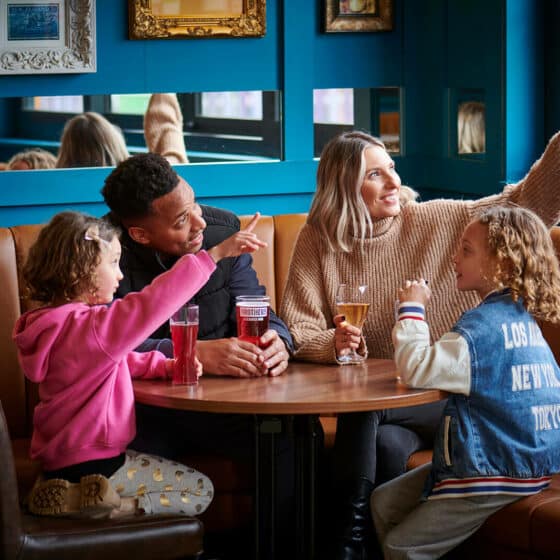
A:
505,436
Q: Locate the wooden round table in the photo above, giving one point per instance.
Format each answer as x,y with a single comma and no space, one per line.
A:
295,398
303,389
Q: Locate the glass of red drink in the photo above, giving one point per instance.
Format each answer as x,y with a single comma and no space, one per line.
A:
252,314
184,332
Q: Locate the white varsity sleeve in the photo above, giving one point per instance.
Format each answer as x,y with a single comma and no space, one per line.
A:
445,365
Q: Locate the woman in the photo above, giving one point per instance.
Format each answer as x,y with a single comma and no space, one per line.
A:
364,227
90,140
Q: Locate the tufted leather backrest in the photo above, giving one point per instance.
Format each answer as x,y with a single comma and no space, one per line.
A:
286,229
272,263
12,383
263,260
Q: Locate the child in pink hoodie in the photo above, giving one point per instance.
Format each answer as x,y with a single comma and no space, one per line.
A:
81,352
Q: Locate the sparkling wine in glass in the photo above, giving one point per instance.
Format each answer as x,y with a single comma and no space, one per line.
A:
353,303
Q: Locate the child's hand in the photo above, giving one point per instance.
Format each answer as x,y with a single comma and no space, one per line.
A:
244,241
198,365
415,290
169,364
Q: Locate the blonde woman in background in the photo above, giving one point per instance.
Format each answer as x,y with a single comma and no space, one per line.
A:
90,140
471,128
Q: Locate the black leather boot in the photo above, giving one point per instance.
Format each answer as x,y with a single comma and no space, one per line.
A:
354,528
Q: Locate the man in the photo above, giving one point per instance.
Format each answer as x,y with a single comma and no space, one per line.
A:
161,221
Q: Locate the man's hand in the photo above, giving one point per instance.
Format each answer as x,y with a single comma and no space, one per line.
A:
275,355
244,241
231,356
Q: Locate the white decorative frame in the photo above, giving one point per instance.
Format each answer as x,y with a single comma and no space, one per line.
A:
71,51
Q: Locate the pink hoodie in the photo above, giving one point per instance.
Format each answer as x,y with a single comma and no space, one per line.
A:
82,357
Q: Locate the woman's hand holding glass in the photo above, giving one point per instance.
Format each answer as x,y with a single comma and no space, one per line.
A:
346,336
352,304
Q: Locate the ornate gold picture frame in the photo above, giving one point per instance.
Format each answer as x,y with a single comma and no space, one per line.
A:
147,21
358,15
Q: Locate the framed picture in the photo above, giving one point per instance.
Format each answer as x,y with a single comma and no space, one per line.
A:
47,36
162,19
358,15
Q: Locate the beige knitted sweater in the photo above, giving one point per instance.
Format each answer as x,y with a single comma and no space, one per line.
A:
418,243
163,128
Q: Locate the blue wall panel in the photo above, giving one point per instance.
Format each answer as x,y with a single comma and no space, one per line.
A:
435,48
525,86
270,188
159,65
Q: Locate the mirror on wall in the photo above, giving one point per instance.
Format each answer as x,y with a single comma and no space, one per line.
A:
375,110
218,126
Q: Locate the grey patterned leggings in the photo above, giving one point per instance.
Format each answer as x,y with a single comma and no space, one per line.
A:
161,485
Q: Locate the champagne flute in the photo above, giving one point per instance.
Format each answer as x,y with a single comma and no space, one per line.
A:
353,303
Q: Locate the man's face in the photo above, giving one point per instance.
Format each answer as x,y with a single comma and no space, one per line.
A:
175,226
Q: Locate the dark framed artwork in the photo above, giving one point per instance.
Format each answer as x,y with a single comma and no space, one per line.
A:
358,15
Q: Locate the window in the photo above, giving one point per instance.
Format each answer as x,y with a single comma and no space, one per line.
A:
376,111
218,126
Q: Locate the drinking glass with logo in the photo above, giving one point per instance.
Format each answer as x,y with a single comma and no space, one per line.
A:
353,303
252,313
184,332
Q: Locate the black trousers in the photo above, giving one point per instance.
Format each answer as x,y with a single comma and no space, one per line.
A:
376,445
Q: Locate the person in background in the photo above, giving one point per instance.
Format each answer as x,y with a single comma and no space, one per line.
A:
163,128
365,227
495,444
80,352
33,158
90,140
471,128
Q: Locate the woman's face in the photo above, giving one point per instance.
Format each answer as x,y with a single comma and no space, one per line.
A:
382,184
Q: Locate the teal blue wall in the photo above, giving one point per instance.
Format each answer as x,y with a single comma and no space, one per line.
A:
436,47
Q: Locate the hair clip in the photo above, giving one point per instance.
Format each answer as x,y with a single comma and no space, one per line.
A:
92,235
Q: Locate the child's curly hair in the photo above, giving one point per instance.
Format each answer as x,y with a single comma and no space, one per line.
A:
526,261
61,263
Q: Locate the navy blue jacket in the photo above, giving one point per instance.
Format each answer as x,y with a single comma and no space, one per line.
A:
233,277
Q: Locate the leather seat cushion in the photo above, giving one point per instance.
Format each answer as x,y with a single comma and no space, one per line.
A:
52,538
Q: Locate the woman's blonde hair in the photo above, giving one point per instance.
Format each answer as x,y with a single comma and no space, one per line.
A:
338,209
90,140
471,128
62,261
521,247
34,158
